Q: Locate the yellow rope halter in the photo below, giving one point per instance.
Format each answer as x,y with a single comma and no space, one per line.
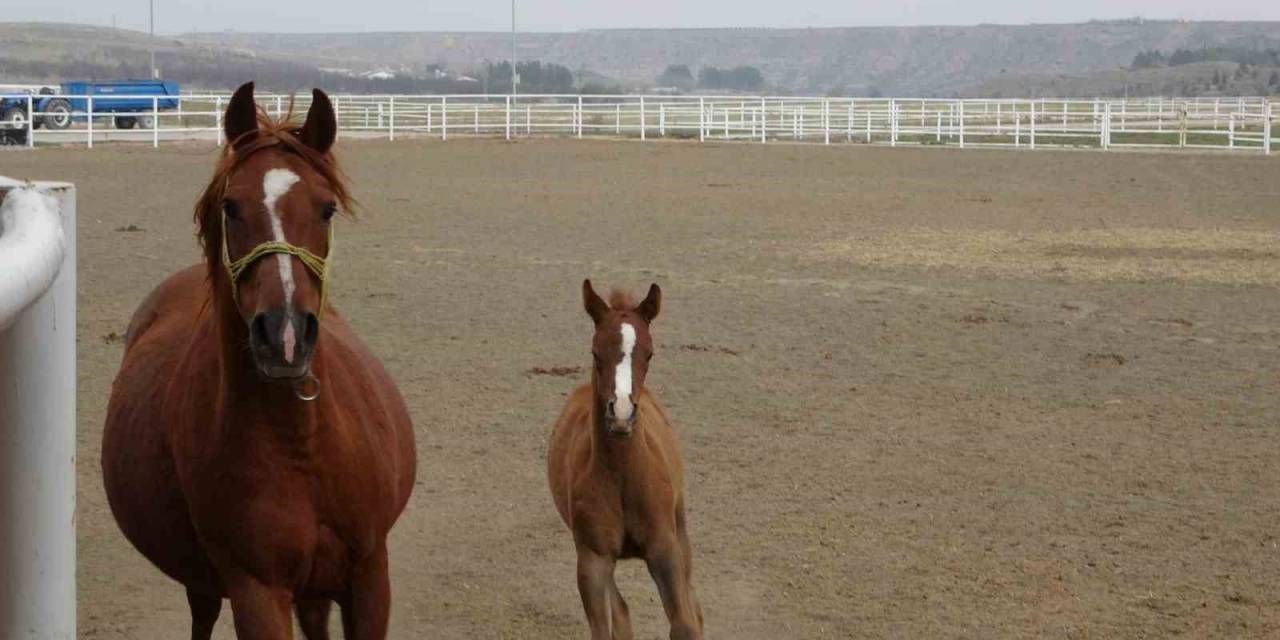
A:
314,263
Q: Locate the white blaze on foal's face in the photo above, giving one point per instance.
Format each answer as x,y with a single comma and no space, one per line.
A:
276,183
622,375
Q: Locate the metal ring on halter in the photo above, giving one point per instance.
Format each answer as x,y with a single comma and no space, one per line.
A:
301,384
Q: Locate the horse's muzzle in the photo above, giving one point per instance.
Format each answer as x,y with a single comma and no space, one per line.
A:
620,426
283,343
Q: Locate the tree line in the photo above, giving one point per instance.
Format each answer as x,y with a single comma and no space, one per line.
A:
740,78
1153,58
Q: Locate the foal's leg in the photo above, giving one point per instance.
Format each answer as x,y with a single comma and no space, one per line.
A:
260,612
204,614
669,570
595,584
621,617
313,618
368,606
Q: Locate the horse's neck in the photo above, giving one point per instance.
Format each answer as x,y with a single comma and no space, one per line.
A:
609,451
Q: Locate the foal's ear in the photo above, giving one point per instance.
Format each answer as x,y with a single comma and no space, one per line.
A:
242,116
595,306
321,127
651,305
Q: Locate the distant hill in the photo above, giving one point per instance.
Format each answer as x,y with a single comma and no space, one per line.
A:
1076,59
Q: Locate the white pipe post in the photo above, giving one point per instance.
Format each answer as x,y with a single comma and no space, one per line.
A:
279,106
391,119
764,122
642,118
155,122
508,134
702,119
31,122
444,117
475,117
1106,125
617,119
826,121
1033,125
1231,131
579,116
89,110
893,122
38,412
1267,112
528,119
1017,130
217,119
662,119
960,107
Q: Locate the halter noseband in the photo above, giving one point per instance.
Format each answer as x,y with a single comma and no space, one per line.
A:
314,263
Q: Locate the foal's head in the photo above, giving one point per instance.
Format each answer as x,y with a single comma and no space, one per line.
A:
622,349
265,223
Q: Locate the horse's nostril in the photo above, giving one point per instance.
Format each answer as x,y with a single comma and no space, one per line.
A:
258,330
609,408
313,329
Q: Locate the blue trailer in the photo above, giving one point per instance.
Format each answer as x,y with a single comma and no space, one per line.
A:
126,101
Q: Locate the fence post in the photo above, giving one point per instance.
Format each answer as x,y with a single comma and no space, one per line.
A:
642,118
217,118
155,122
31,121
579,115
702,119
1033,124
391,119
444,117
826,121
1106,125
89,110
1267,112
617,119
508,117
960,104
38,415
764,122
893,122
1231,130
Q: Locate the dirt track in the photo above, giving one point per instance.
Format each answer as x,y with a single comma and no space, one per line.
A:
921,393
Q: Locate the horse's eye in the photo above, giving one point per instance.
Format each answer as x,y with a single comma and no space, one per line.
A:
230,208
329,210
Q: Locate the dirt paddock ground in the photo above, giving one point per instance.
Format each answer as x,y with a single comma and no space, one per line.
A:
921,393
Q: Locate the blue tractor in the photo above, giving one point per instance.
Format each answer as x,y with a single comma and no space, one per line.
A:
128,102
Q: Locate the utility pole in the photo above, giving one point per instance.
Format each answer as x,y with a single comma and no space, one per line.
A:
155,75
515,77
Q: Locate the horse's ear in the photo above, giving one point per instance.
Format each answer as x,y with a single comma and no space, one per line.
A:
652,303
321,127
242,116
595,306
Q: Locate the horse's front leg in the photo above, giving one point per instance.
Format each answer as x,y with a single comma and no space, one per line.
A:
368,604
595,579
671,573
261,612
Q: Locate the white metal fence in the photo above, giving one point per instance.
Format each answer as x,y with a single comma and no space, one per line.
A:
1235,124
37,410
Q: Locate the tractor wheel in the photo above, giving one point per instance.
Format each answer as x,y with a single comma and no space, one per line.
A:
57,114
126,122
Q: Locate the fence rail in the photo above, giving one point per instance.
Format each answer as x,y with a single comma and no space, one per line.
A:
1233,124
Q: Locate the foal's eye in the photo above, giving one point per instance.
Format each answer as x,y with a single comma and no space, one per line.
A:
329,210
230,208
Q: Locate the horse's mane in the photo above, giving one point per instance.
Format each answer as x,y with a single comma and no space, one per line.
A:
620,300
271,132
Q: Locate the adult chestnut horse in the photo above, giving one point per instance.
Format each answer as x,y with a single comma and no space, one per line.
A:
254,449
616,474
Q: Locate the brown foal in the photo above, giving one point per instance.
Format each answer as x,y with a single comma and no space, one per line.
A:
616,474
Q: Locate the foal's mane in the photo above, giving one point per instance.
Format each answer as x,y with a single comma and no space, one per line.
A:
271,132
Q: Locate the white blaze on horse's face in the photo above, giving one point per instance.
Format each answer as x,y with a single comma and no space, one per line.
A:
622,407
275,184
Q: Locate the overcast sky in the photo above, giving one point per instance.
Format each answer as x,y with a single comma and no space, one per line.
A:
175,16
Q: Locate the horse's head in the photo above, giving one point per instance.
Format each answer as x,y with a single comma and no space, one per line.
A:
622,349
265,221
